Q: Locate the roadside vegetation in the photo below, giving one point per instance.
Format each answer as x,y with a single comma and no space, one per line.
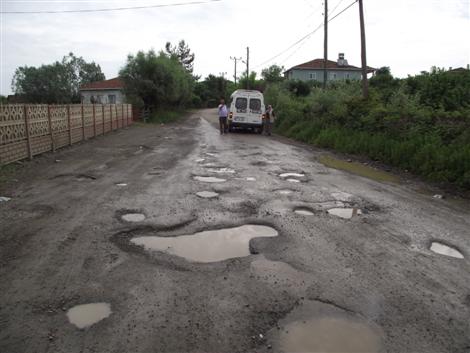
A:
420,124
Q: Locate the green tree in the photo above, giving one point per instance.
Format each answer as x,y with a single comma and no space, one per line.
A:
59,82
182,53
273,74
157,81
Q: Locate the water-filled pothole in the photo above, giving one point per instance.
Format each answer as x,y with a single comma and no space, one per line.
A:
285,191
442,249
206,179
207,194
250,179
291,180
292,175
304,211
86,315
221,170
208,246
121,185
346,213
133,217
329,335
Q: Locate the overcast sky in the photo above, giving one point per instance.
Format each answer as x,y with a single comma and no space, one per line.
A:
407,35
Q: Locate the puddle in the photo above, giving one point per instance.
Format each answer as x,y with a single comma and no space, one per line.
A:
200,160
250,179
346,213
209,179
304,211
121,184
4,199
207,194
221,170
133,217
85,315
208,246
329,335
446,250
290,180
292,175
211,154
285,192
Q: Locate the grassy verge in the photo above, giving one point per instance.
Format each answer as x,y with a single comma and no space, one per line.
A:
166,116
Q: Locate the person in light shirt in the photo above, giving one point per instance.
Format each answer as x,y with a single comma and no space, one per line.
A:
223,113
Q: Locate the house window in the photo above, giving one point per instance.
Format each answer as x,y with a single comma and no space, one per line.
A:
112,99
333,76
348,76
313,76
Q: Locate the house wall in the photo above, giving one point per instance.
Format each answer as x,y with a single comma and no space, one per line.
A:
103,96
304,75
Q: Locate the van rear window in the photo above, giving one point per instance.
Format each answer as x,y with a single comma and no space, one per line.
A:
241,103
255,105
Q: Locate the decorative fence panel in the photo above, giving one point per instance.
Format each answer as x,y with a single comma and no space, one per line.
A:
27,130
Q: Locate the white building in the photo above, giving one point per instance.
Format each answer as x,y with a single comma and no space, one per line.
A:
104,92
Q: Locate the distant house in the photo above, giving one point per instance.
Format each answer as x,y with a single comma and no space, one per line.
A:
336,70
103,92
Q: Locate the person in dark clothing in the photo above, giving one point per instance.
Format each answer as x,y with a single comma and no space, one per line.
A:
223,113
268,119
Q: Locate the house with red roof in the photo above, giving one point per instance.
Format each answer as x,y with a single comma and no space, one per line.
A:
336,70
104,92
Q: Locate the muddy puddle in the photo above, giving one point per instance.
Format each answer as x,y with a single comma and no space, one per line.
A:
208,246
291,180
329,335
345,213
121,185
221,170
207,194
303,211
285,191
86,315
133,217
205,179
442,249
292,175
250,179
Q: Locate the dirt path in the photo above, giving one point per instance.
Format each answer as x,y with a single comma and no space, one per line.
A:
64,243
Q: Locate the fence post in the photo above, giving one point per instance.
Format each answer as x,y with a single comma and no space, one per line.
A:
69,121
102,112
111,116
122,115
117,120
28,137
94,121
83,126
51,132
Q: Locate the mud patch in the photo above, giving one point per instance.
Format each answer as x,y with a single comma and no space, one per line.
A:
206,179
446,250
207,194
208,246
86,315
345,213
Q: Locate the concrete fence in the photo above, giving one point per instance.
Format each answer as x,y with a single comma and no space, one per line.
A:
27,130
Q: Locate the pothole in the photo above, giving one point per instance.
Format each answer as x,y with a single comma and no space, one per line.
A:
211,154
342,196
285,191
85,177
329,335
250,179
442,249
304,211
207,194
121,185
86,315
345,213
291,180
200,160
292,175
208,246
133,217
205,179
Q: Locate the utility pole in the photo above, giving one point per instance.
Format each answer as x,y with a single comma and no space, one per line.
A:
325,53
247,67
365,82
235,74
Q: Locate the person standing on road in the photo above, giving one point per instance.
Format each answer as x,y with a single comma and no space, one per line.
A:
268,118
223,113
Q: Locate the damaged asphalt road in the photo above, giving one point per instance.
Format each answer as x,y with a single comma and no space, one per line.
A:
323,260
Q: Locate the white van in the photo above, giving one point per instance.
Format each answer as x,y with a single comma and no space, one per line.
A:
246,110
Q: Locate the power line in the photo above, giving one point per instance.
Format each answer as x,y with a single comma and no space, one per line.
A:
112,9
305,37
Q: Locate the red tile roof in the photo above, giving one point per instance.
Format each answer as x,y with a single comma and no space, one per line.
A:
114,83
317,64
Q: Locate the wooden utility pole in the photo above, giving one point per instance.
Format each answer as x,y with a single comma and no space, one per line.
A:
325,53
247,67
235,74
365,82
